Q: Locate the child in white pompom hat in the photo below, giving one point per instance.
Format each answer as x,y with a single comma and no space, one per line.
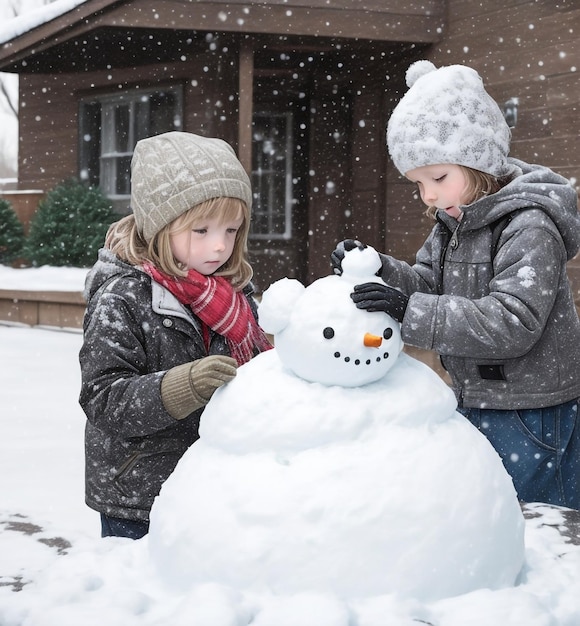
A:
489,290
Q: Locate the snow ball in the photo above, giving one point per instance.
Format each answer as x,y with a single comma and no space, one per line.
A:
361,262
277,303
418,69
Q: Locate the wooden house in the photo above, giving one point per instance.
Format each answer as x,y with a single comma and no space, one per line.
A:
301,88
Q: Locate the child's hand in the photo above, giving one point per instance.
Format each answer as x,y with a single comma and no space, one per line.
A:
379,297
337,256
210,373
188,387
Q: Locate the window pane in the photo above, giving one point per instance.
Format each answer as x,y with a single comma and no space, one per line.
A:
116,176
122,126
108,168
272,175
141,124
123,182
115,125
164,112
111,126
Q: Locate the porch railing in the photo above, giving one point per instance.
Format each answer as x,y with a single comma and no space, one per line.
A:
60,309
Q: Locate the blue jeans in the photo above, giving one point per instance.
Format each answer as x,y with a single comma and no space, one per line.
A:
118,527
540,449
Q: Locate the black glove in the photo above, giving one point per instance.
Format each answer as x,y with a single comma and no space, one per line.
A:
337,256
379,297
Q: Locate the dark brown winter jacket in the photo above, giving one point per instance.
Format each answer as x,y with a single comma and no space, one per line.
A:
134,331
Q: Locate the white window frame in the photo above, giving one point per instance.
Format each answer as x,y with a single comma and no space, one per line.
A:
110,153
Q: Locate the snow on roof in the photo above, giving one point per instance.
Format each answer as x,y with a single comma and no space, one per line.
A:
32,19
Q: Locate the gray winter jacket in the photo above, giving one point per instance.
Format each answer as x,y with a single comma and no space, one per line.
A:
506,327
134,331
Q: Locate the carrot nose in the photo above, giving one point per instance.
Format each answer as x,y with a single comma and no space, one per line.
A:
372,341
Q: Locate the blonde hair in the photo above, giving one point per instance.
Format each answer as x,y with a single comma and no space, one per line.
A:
124,239
478,184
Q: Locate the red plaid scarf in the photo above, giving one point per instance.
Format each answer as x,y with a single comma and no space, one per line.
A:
217,304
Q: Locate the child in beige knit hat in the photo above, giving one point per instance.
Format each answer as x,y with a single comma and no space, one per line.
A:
170,316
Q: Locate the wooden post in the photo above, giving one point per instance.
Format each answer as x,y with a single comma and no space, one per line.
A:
246,89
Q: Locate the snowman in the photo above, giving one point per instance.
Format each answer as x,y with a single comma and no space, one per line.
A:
337,464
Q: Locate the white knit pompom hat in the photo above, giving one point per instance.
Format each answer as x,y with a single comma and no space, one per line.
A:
173,172
448,117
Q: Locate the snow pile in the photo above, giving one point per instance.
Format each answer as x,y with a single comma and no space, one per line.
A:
50,545
346,491
44,278
35,15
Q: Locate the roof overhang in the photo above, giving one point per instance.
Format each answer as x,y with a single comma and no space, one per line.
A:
90,27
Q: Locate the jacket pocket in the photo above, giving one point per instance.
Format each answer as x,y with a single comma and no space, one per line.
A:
143,473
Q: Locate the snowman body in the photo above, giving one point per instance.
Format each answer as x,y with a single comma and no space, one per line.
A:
336,463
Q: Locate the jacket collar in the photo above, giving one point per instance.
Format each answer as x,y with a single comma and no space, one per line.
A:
164,302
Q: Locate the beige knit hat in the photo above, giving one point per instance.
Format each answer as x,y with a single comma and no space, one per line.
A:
173,172
447,116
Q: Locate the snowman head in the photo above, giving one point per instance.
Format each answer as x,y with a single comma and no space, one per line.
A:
319,333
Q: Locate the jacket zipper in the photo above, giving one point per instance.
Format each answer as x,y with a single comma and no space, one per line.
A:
452,241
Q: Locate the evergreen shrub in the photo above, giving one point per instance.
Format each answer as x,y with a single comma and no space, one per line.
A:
11,234
69,226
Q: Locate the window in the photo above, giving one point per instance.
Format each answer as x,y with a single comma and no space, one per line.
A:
110,126
272,149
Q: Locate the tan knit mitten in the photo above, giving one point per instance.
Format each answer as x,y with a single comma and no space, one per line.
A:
190,386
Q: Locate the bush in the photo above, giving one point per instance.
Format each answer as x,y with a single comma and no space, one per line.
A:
11,234
69,226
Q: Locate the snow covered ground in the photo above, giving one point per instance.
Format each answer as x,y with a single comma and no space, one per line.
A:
56,571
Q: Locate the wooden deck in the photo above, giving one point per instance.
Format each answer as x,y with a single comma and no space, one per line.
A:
60,309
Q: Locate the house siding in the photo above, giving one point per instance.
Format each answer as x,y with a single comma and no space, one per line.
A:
527,49
49,109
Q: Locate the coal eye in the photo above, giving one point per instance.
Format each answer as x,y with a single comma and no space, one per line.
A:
328,332
388,333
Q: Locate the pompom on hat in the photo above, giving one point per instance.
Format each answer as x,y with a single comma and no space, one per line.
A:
448,117
175,171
